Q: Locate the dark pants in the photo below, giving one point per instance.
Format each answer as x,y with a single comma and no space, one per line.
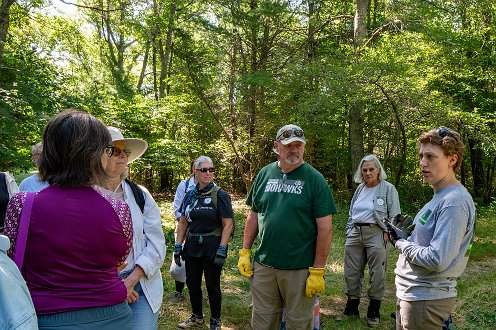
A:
179,286
195,268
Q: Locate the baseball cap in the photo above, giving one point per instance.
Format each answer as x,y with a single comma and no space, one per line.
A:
290,133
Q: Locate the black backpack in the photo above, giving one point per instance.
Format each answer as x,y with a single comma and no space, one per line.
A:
4,192
214,196
139,196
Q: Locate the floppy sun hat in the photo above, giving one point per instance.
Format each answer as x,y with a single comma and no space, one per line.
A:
136,146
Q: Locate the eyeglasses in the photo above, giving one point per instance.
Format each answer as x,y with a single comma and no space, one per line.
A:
443,131
111,150
205,169
291,132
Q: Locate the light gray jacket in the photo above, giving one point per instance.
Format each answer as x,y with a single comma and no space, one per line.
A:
148,245
386,204
16,306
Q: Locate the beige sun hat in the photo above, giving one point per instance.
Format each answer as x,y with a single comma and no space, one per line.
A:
137,146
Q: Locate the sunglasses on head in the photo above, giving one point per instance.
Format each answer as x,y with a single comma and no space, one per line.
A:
205,169
291,132
443,132
111,150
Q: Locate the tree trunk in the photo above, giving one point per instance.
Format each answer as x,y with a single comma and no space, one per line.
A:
165,55
396,113
476,156
166,178
488,194
4,24
143,68
355,113
360,28
311,46
154,69
356,135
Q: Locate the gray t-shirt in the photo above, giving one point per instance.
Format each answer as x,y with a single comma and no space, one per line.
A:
436,253
362,210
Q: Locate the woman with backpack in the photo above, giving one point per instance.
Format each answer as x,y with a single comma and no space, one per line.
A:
142,275
69,239
206,223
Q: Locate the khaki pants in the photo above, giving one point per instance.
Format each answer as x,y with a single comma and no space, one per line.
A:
272,289
423,314
365,245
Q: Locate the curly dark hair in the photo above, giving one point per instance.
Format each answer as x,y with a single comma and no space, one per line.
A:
73,145
449,141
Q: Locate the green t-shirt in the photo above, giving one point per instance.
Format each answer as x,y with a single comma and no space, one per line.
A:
287,206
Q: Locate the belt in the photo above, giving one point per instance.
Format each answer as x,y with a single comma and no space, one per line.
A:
361,224
216,232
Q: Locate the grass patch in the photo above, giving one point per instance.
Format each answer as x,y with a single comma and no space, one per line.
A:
475,307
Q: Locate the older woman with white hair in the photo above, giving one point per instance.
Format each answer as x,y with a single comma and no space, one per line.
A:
142,275
374,200
206,224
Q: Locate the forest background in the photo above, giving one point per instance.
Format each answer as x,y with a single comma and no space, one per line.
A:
219,77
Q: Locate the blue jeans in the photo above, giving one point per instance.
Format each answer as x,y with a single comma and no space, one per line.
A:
116,317
143,316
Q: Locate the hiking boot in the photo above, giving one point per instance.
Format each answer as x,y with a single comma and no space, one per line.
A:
214,324
373,315
373,321
351,308
177,297
192,322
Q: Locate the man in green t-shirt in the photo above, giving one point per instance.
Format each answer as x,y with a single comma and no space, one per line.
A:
291,211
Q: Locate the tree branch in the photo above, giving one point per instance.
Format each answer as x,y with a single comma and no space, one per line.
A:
318,29
90,7
396,25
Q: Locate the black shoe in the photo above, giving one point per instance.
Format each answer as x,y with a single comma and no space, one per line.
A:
215,324
192,322
373,314
351,308
177,297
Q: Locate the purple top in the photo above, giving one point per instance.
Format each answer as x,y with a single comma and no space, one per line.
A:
77,237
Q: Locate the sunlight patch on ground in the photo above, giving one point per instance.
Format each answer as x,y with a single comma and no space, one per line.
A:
336,267
232,290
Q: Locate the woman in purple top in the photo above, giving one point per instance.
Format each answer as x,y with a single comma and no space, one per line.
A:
77,237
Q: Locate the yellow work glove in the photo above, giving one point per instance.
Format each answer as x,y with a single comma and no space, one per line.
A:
315,281
244,263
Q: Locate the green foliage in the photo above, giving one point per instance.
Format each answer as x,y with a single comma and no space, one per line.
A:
238,71
29,91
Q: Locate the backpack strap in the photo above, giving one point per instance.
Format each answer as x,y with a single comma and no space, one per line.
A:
22,231
3,184
186,185
213,195
4,195
138,195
